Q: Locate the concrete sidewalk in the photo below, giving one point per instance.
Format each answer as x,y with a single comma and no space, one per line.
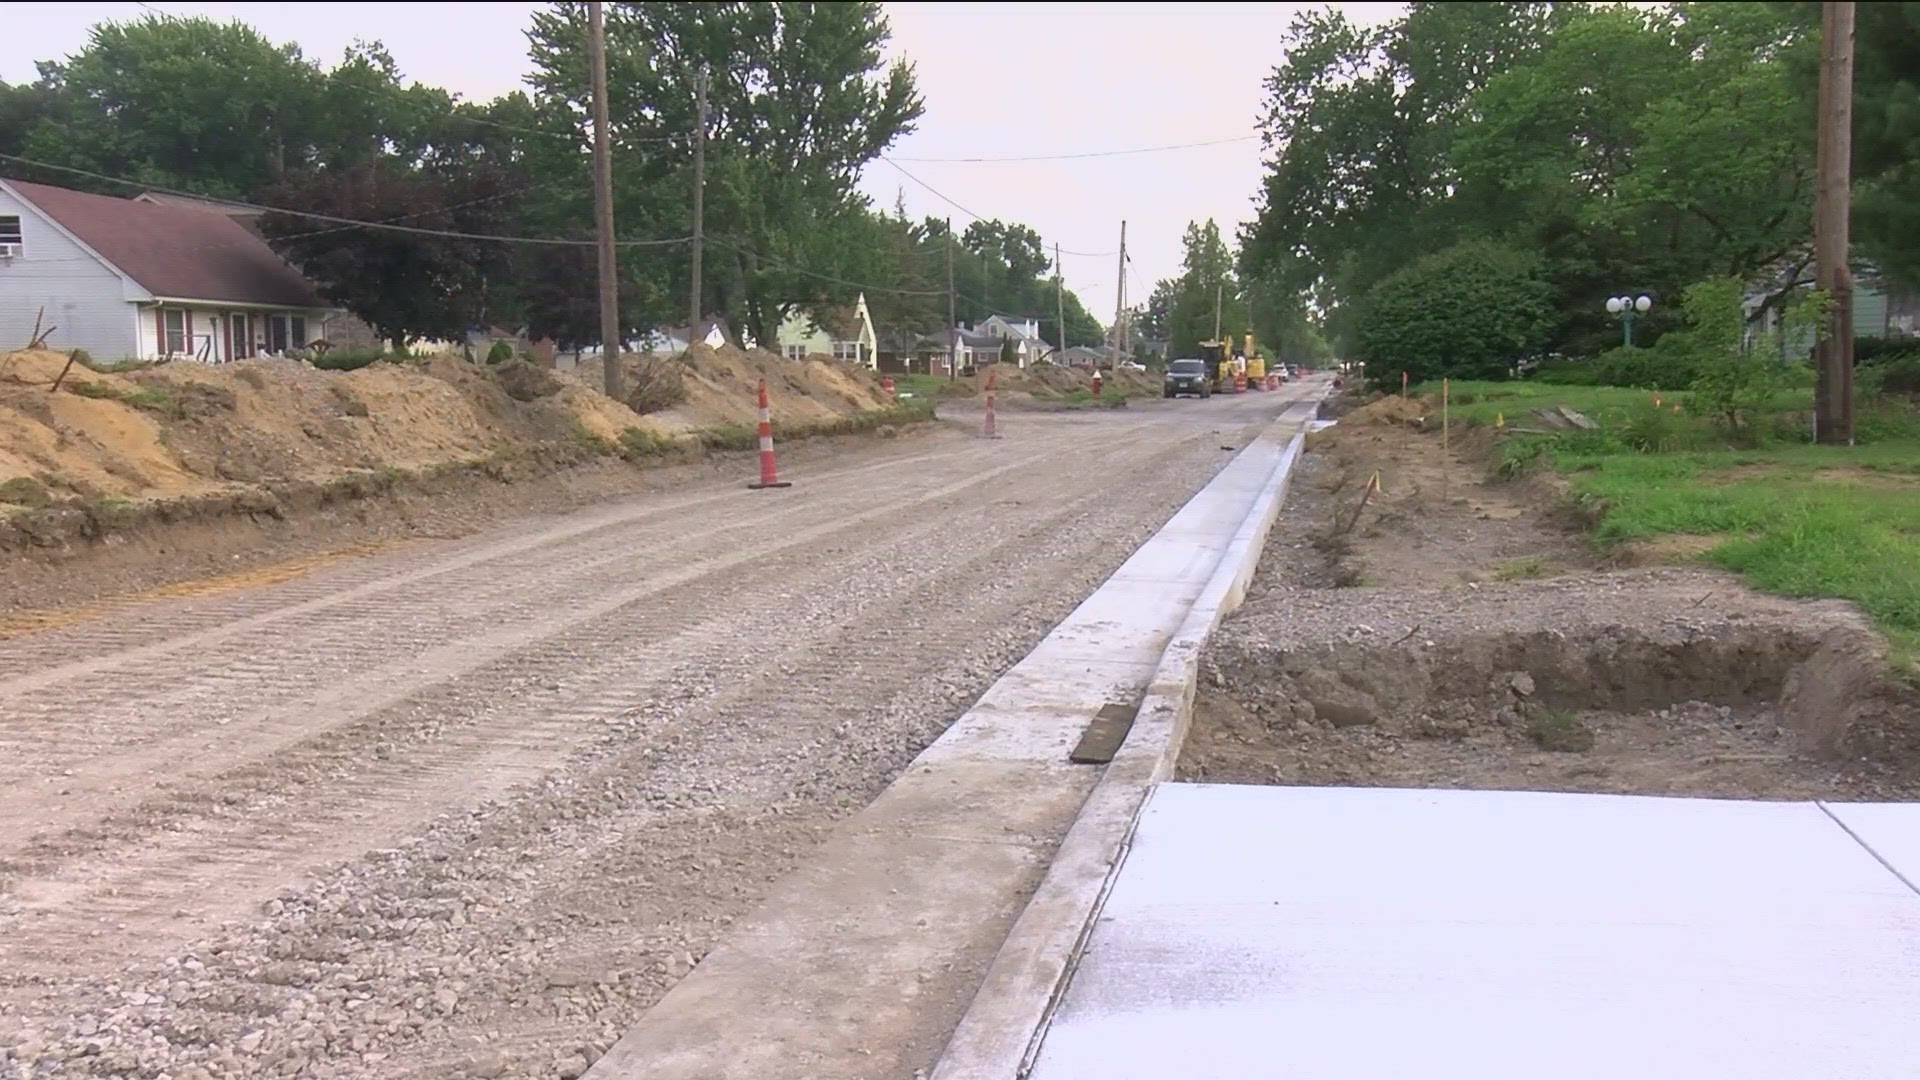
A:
861,962
1353,934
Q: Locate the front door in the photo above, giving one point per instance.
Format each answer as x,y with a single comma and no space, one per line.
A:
240,325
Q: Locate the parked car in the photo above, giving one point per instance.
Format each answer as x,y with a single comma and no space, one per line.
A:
1132,365
1188,377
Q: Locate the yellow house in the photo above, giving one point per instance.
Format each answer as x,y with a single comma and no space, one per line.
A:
844,333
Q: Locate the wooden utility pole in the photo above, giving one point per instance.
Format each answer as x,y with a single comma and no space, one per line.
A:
1833,393
1219,291
695,314
1060,296
1120,298
603,205
953,328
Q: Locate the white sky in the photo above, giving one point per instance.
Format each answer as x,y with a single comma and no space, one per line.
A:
999,80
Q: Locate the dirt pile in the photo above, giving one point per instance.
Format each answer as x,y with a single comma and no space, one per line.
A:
187,429
720,387
184,428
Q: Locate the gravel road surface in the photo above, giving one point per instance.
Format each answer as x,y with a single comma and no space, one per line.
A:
468,808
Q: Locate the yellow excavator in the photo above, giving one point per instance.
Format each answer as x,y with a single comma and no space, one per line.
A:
1256,366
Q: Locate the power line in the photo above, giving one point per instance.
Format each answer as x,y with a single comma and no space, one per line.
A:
790,268
337,220
1077,157
976,216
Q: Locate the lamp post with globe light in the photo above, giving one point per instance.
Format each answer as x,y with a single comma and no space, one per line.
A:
1625,308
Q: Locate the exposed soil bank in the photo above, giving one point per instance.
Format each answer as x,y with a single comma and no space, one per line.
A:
1451,632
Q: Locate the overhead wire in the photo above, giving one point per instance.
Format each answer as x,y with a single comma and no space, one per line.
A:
337,219
1077,157
978,216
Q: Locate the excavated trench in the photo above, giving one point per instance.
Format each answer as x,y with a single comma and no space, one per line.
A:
1744,704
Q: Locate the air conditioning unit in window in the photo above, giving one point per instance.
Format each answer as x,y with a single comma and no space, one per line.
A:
9,251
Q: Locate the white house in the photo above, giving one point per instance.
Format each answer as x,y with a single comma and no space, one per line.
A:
127,278
844,333
933,354
1029,346
673,340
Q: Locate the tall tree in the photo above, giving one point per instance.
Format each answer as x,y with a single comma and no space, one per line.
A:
405,285
800,100
1206,287
213,107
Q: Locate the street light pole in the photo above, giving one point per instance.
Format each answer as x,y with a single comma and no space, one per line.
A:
1625,308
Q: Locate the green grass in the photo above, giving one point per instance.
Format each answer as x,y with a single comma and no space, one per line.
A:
1793,518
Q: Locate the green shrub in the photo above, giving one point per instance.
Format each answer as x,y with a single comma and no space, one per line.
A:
1466,312
1894,375
658,383
1654,428
352,359
500,352
1734,382
99,391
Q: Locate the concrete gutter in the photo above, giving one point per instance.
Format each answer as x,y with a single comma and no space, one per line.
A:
858,964
1002,1029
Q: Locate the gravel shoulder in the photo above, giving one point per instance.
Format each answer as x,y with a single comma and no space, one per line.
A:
466,808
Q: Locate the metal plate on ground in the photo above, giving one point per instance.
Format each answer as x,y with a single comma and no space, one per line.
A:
1103,737
1341,934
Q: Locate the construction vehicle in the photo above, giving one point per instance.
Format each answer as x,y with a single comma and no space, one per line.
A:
1218,356
1256,366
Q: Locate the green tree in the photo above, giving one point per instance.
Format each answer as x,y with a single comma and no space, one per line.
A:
213,107
1467,312
406,286
800,100
1206,295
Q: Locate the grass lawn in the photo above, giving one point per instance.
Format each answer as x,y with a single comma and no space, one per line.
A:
1793,518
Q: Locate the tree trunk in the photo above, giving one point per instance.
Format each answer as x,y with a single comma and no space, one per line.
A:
1833,393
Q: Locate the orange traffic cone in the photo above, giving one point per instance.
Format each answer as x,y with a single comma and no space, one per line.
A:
769,475
988,426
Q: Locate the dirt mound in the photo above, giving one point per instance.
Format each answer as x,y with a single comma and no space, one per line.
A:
185,428
1391,411
721,389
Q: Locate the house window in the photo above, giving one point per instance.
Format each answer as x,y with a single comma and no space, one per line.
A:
298,334
10,233
847,350
174,322
796,352
276,334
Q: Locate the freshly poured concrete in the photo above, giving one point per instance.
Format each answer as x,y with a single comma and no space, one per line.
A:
1342,933
860,963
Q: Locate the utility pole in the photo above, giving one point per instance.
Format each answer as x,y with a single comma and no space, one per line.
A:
1060,296
699,197
1833,393
603,205
953,328
1120,298
1219,290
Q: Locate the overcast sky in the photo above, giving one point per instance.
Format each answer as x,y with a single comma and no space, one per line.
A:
1000,80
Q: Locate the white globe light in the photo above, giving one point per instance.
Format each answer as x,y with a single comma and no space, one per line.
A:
1614,306
1643,303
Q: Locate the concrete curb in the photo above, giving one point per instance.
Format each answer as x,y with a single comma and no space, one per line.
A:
859,961
1001,1031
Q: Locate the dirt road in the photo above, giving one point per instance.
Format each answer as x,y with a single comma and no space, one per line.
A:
468,808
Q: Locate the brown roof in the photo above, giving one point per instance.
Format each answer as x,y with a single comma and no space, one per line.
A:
182,252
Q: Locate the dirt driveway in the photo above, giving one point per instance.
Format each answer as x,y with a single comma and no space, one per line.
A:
467,808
